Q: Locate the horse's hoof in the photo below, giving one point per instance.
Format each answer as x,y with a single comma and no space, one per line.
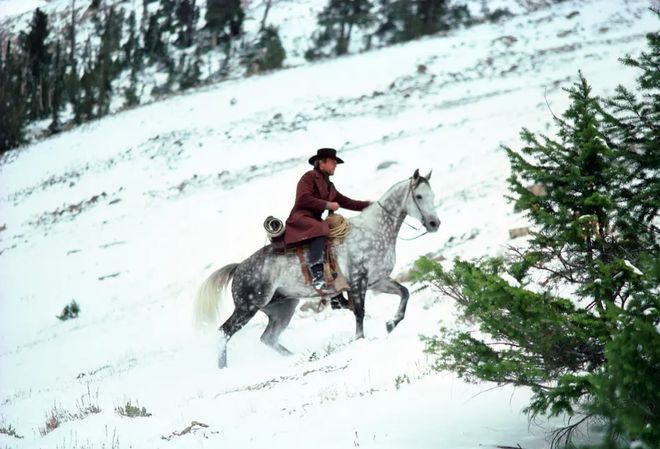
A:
284,351
390,325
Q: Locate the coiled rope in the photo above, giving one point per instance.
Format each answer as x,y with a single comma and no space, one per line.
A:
274,227
339,226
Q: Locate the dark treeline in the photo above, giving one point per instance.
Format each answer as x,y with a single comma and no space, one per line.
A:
46,72
61,74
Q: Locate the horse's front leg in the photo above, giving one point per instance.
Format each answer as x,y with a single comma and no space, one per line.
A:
389,285
358,293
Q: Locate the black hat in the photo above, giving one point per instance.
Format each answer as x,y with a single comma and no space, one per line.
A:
323,153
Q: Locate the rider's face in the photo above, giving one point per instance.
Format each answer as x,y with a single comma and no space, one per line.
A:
328,166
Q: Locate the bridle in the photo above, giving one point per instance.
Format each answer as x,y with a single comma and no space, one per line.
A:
419,209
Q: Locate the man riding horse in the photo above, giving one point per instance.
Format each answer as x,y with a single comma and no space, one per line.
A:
315,194
272,283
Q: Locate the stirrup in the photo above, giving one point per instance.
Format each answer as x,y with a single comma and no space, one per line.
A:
319,283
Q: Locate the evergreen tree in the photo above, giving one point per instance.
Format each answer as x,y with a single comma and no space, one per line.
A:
13,105
225,17
130,47
595,351
145,16
88,87
166,13
628,395
131,95
132,60
107,67
635,126
170,67
337,21
186,17
58,88
394,16
103,70
154,46
36,49
73,80
191,72
404,20
268,53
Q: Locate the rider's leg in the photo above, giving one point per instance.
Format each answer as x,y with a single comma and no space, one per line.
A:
316,247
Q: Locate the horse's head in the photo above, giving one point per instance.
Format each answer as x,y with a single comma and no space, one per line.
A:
420,202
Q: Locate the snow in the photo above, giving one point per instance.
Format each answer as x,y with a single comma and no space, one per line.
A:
10,8
632,268
649,311
128,215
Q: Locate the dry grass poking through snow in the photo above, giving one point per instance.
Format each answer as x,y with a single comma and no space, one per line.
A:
88,404
10,431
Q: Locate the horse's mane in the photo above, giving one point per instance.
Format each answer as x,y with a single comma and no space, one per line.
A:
421,179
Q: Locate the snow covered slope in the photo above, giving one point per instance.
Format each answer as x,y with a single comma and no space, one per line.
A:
128,215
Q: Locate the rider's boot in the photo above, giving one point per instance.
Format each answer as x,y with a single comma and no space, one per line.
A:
318,278
339,302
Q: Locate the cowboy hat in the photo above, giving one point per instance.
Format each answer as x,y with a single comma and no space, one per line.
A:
323,153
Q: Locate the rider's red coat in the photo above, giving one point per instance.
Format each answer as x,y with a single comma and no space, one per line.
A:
312,195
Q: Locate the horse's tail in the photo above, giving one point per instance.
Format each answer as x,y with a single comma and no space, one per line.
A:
207,301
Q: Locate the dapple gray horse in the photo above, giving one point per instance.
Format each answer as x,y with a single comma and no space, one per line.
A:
273,283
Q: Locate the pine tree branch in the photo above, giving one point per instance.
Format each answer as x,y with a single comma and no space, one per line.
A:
563,436
524,383
542,267
623,297
455,293
590,269
556,274
504,343
617,294
566,263
590,306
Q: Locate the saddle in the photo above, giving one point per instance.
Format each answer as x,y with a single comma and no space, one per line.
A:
339,228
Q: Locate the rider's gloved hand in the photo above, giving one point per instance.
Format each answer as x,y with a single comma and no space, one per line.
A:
331,205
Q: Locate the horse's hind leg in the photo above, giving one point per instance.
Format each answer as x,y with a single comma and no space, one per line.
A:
358,294
279,310
393,287
234,323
